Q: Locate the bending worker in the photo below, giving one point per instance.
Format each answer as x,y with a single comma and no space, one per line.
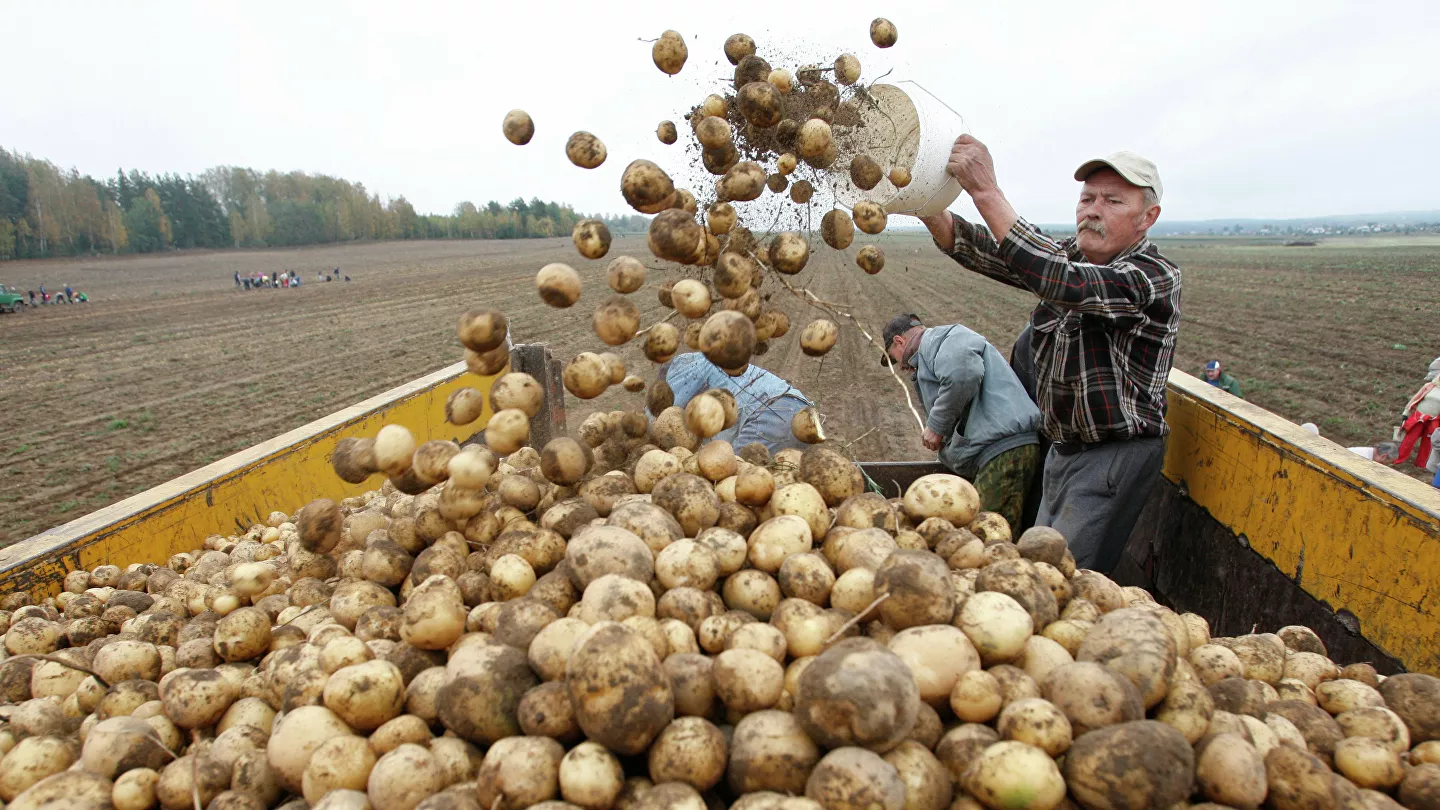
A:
977,414
1103,337
765,402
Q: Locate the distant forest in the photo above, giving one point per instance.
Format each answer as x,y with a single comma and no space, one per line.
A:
48,211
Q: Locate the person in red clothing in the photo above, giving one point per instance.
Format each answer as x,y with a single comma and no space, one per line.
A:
1422,418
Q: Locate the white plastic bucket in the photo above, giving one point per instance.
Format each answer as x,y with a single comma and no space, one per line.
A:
906,126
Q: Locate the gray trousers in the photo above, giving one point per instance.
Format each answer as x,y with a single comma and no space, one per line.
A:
1094,497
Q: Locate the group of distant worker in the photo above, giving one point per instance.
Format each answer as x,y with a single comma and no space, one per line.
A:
69,295
284,279
1413,440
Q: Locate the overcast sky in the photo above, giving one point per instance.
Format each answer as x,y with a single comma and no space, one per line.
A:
1258,108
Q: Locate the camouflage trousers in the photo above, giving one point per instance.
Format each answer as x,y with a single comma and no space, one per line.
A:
1004,482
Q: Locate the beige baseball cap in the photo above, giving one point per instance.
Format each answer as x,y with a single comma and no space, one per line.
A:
1135,169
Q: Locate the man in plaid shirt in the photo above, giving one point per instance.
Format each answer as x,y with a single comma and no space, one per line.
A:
1103,337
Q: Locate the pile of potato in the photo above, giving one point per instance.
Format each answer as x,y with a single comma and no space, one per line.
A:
636,620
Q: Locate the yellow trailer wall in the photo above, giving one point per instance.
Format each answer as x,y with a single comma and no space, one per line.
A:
1353,534
232,494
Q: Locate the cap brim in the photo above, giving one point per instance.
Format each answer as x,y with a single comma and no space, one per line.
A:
1089,167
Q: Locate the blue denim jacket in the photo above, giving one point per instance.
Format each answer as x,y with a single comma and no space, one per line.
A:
766,402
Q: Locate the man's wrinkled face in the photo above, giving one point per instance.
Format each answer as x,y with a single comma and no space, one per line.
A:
1110,216
1212,373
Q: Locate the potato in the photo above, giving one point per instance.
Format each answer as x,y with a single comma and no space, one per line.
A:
752,591
519,772
778,538
33,759
1320,730
917,588
1136,644
801,191
482,330
1037,722
713,132
789,251
669,53
609,661
196,698
648,189
802,500
690,499
585,150
786,163
296,738
883,32
686,563
1011,775
728,340
1230,771
675,236
434,614
760,104
591,238
807,426
1377,723
847,69
871,259
865,173
813,139
1092,696
808,577
748,680
1416,698
1421,787
587,376
690,750
394,450
1137,764
1297,780
340,763
1188,707
996,624
1214,663
942,495
733,274
869,217
857,692
666,132
616,321
1342,695
819,337
690,297
1309,668
404,777
853,778
518,127
737,47
837,229
716,460
1369,763
743,182
1262,656
558,284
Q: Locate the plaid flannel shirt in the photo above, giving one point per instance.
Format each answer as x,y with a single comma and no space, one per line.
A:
1104,335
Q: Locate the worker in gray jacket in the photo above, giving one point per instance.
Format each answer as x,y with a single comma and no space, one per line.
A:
978,416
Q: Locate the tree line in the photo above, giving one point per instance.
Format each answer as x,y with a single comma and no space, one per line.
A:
48,211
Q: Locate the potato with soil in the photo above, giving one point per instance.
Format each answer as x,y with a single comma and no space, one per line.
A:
1130,766
661,342
591,238
728,339
883,32
871,259
869,217
621,694
647,187
857,692
1135,643
833,476
761,104
853,778
865,173
1011,775
690,750
942,495
585,150
744,181
917,590
519,772
837,229
667,133
939,656
1416,698
819,337
518,127
1230,771
675,236
814,139
669,54
789,252
1319,729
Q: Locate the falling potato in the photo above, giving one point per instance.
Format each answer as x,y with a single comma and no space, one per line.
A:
720,218
625,274
691,298
786,164
592,238
751,69
661,342
482,329
519,129
865,173
782,81
585,150
837,229
719,161
685,201
733,274
869,217
818,337
559,285
760,103
616,320
713,132
633,383
727,339
814,138
776,182
871,259
805,426
789,252
883,33
801,192
666,132
713,105
744,182
507,431
847,69
587,376
676,236
669,52
900,177
737,47
647,187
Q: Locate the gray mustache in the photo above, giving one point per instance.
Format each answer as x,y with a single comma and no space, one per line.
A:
1091,225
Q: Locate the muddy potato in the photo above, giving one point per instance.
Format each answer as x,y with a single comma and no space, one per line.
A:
748,680
434,615
519,772
585,150
666,132
591,238
669,432
760,103
1421,787
813,139
1376,723
1092,696
1230,771
942,495
690,750
853,778
713,132
871,259
883,32
770,751
865,173
243,634
197,698
586,376
590,777
558,285
847,69
1214,663
808,577
1188,708
1369,763
857,692
518,127
728,341
737,47
1138,764
1416,698
340,763
1343,695
609,661
669,54
801,192
661,342
1319,729
691,298
403,777
819,337
917,588
675,236
789,251
692,680
939,656
743,182
1135,643
837,229
786,163
996,624
716,460
976,697
753,591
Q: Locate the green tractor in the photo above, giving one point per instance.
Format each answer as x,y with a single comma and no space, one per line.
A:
10,299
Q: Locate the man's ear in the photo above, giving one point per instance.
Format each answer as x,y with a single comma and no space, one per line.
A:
1151,214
